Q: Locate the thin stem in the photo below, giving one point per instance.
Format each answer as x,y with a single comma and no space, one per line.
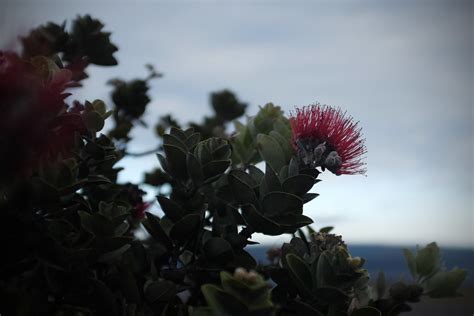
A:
144,153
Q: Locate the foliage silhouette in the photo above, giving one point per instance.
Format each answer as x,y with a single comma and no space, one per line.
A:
68,228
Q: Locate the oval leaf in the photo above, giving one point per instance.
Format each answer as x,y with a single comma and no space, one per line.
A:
214,169
161,291
217,248
366,311
172,209
298,185
280,203
176,159
241,191
260,223
271,151
300,274
185,228
172,140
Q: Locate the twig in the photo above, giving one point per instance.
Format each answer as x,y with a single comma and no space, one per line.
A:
144,153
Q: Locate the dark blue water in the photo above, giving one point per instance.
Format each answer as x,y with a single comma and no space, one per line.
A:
391,260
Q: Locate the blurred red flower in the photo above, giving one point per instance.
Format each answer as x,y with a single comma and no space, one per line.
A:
35,124
325,136
140,209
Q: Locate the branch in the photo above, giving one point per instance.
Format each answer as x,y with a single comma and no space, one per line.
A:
144,153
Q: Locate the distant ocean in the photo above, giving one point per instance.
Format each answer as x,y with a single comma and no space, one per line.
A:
390,259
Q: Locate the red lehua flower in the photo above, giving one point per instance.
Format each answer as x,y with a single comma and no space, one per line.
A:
140,209
324,136
274,254
35,124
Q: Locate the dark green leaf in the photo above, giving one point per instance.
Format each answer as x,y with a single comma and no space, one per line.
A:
189,131
256,174
44,192
186,228
111,255
302,308
128,285
172,209
173,140
300,274
445,283
243,193
215,169
381,285
280,203
103,299
271,179
326,229
428,260
299,246
259,222
98,179
244,177
161,291
93,121
163,163
153,226
193,140
202,153
298,185
113,211
366,311
411,262
221,152
282,128
243,259
283,174
121,229
194,169
179,134
290,222
330,295
293,168
324,270
309,197
176,160
284,144
217,248
271,151
96,225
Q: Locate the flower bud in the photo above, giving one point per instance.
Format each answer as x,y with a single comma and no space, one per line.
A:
333,161
240,273
250,278
319,151
355,262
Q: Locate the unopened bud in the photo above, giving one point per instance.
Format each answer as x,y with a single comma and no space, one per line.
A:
252,277
333,161
240,273
319,151
355,262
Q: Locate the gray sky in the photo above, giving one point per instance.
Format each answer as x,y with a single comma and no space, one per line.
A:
404,69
